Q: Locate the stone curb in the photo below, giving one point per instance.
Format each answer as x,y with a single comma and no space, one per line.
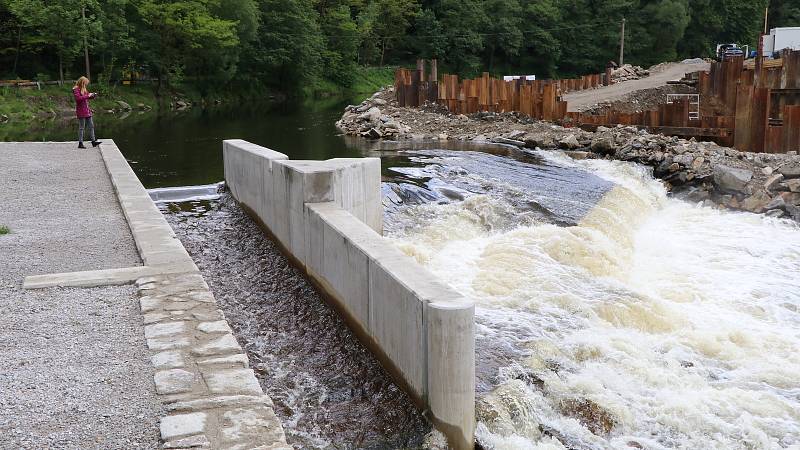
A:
202,374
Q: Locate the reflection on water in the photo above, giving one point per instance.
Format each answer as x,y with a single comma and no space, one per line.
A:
185,148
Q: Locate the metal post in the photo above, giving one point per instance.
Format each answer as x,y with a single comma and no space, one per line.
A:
85,43
622,43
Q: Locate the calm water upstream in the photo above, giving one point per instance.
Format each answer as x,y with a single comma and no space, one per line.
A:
183,149
609,315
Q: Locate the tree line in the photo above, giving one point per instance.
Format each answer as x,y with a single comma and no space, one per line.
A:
286,44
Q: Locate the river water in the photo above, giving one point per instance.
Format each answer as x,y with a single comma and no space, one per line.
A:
609,315
648,322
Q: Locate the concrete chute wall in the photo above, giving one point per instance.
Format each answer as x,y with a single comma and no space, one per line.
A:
328,216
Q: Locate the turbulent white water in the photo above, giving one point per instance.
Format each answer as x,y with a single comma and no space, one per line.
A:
653,323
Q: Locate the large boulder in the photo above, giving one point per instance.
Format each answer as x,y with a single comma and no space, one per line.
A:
773,182
731,179
757,202
602,144
371,115
791,170
792,185
569,142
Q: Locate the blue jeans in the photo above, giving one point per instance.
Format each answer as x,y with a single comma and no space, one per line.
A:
82,123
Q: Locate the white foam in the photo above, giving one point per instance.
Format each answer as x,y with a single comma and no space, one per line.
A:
681,322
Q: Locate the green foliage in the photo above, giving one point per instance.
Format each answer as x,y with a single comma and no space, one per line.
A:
784,13
4,230
205,46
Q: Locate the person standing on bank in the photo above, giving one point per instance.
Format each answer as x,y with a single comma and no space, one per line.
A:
82,110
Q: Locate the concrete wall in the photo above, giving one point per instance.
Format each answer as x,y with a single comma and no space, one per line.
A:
328,216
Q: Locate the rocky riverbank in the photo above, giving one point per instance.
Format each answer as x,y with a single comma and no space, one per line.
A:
698,171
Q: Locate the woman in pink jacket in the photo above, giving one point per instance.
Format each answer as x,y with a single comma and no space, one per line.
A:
83,111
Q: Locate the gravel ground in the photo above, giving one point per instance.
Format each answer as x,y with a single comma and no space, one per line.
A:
76,371
56,197
659,75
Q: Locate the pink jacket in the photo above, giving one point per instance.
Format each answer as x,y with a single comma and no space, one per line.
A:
82,103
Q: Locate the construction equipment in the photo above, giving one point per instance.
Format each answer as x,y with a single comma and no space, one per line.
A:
727,51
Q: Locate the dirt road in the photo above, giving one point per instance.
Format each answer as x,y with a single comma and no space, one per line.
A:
579,101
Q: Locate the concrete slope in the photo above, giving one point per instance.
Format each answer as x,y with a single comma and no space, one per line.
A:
579,101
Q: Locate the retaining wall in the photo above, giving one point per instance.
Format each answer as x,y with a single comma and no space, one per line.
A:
328,216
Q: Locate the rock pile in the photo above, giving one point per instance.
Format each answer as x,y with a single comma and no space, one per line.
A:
703,171
368,121
699,171
628,72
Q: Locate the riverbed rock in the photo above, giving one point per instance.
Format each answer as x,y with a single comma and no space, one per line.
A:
602,144
791,198
790,170
731,179
507,141
569,142
773,182
378,102
515,135
793,212
792,185
371,115
776,202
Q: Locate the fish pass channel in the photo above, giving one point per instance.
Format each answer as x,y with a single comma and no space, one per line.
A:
609,315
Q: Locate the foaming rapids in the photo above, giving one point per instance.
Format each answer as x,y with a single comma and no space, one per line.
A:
648,323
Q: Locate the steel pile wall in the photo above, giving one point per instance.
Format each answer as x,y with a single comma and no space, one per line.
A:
749,106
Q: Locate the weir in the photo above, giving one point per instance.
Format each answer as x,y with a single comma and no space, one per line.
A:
327,217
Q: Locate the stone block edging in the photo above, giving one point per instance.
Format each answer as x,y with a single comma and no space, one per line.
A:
202,375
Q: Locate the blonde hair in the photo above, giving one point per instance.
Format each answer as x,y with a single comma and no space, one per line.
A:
81,84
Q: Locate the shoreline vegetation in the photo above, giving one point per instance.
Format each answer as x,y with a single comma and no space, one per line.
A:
31,105
210,50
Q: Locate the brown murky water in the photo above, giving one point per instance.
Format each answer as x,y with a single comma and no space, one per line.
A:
328,390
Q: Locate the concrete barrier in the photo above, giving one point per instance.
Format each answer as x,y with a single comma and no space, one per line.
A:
328,216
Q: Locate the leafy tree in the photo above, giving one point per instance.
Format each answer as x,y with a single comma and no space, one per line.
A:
395,17
428,40
503,31
341,44
706,24
186,32
286,52
463,23
542,48
656,30
784,13
50,22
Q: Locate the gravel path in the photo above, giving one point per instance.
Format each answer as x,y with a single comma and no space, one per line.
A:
581,100
75,368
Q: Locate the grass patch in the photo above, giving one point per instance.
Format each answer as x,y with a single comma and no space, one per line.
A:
370,79
366,80
23,105
4,230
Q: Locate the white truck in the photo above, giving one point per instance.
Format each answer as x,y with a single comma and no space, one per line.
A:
781,38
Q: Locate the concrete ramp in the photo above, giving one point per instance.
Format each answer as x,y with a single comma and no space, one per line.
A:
327,217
